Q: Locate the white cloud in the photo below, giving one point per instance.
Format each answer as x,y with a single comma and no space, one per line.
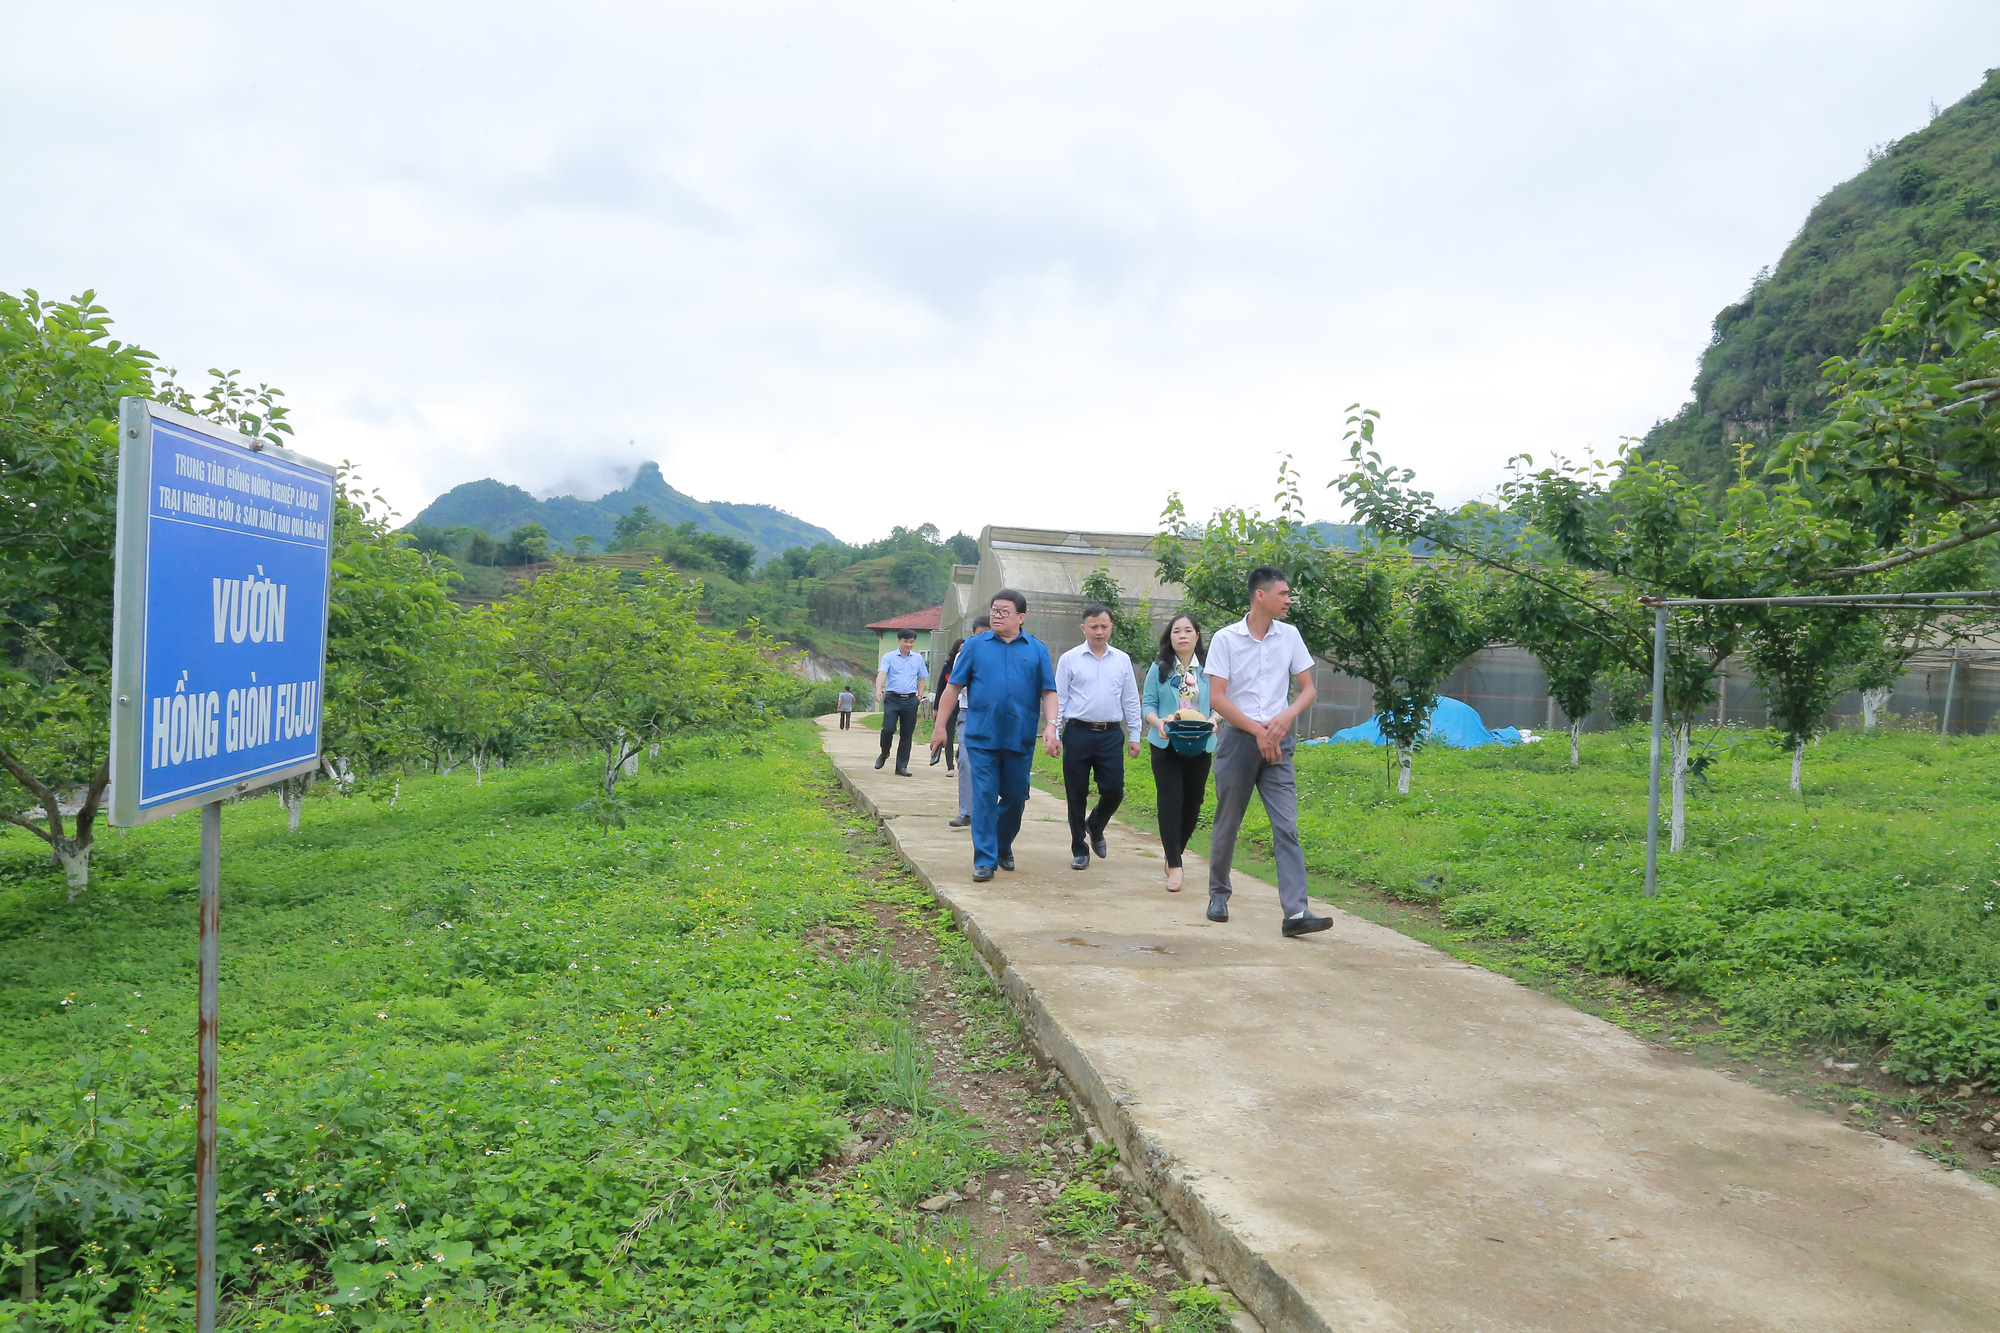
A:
965,262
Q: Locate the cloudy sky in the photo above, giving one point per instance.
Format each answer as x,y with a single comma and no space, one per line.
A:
966,262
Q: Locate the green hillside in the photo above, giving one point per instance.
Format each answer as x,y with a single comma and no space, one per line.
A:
1927,195
497,509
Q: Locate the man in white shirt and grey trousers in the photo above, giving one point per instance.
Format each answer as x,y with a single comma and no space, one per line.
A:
1097,710
1250,666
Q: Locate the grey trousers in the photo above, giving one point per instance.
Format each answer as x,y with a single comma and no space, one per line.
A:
964,782
1239,769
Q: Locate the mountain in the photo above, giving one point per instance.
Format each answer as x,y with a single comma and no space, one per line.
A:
497,509
1928,195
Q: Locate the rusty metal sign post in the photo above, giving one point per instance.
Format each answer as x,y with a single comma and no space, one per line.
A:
218,660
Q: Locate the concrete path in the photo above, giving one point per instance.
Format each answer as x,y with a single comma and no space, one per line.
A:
1361,1132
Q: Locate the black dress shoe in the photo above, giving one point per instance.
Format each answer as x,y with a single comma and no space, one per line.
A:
980,874
1006,860
1218,907
904,773
1306,925
1081,861
1097,844
881,759
962,821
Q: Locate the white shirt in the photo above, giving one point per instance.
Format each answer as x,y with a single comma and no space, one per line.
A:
1259,672
903,673
1090,688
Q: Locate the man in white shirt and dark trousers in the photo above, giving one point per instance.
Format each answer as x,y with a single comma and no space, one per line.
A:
899,683
1097,703
1250,666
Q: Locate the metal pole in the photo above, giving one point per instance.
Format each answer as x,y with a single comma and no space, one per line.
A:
1653,782
204,1143
1950,686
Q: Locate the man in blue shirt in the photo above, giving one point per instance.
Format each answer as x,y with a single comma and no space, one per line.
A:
1013,685
899,683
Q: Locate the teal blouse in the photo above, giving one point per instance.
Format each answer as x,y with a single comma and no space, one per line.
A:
1162,699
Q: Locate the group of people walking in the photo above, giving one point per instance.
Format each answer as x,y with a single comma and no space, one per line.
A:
1221,707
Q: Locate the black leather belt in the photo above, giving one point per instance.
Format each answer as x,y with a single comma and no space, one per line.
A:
1094,726
901,694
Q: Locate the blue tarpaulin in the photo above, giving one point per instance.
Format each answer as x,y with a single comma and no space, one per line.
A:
1453,721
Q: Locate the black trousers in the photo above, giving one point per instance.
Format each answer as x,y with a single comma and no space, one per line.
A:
1087,752
899,710
1179,783
846,716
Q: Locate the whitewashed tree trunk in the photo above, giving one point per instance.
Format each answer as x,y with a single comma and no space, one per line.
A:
1682,737
1798,763
74,858
397,794
478,767
447,761
632,764
1403,769
1575,730
295,802
1872,703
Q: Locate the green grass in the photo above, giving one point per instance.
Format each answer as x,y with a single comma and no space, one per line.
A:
484,1065
1862,919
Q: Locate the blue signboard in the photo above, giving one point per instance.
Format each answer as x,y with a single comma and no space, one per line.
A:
218,658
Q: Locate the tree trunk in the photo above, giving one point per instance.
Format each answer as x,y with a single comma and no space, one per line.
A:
1678,838
1798,763
1403,769
73,855
614,760
1575,730
28,1292
1872,703
397,794
632,764
295,802
478,766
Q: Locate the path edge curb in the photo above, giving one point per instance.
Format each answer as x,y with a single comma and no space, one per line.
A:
1262,1290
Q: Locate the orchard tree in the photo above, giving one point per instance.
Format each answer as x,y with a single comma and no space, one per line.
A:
388,614
1557,618
1403,624
61,376
471,702
623,666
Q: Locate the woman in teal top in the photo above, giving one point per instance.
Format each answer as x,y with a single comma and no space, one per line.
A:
1177,682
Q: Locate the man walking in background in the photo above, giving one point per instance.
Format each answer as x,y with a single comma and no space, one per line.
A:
899,683
1097,711
1013,684
845,703
1251,665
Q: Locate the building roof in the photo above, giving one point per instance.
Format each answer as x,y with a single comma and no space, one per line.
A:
919,620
